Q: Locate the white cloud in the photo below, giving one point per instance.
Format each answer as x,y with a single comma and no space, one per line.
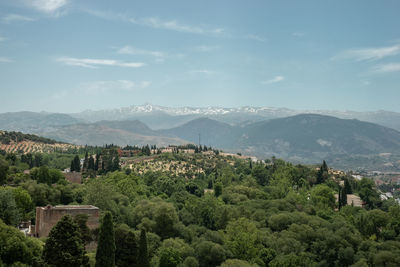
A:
173,25
118,85
206,48
255,37
93,63
6,60
369,54
129,50
386,68
15,17
158,55
207,72
274,80
155,22
47,6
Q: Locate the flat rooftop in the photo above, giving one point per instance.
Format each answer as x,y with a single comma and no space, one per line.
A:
70,207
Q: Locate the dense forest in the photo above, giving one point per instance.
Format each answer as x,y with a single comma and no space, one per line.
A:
199,209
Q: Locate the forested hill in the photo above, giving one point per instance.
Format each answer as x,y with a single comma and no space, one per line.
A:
202,209
15,137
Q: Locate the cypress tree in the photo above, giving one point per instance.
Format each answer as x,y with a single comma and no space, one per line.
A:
143,257
347,186
344,197
86,162
91,163
77,164
64,246
105,254
72,168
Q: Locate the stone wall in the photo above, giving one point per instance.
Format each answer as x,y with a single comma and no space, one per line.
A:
73,177
47,217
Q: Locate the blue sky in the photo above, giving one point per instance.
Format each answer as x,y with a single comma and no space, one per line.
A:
73,55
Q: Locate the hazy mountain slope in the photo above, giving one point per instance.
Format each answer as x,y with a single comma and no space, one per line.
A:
212,132
308,134
133,126
94,134
33,122
306,138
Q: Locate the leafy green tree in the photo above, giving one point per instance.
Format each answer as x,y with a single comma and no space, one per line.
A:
64,246
81,222
3,171
23,201
210,253
169,257
143,256
105,254
126,253
322,196
115,164
16,249
241,239
261,174
218,189
237,263
9,211
368,193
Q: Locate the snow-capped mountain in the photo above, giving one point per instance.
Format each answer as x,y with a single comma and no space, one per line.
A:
161,117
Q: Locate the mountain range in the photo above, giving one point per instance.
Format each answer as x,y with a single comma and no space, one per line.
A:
364,139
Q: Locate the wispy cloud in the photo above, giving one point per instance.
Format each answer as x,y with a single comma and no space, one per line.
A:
369,54
93,63
6,60
47,6
15,18
386,68
206,48
157,23
158,55
256,38
206,72
274,80
2,39
298,34
118,85
174,25
129,50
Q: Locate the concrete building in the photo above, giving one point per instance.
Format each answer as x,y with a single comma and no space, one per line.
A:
47,217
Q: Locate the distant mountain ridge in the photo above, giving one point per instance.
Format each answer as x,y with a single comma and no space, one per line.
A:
306,138
160,117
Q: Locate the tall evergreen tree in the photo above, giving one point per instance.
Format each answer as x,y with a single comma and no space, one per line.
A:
344,197
77,164
64,246
347,186
96,164
86,162
143,256
105,254
72,168
91,163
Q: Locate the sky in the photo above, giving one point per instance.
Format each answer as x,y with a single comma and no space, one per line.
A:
73,55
